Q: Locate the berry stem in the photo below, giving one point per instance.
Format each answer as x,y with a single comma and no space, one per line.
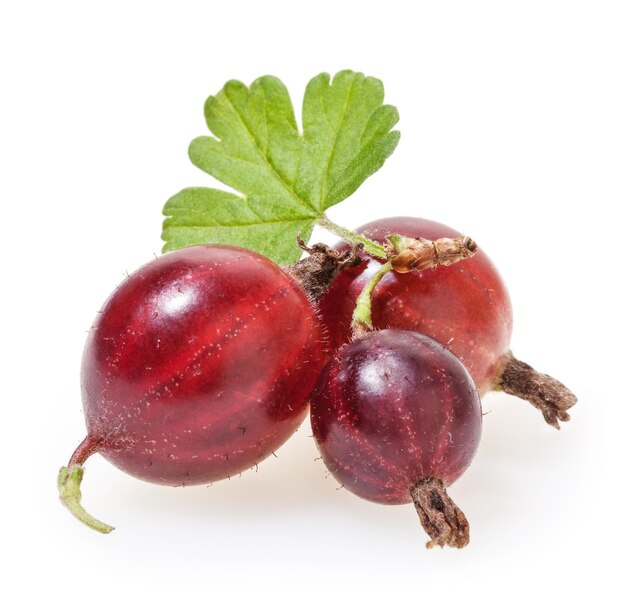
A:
86,448
547,394
362,316
441,519
370,247
69,480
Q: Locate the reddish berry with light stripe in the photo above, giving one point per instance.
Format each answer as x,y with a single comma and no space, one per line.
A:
199,366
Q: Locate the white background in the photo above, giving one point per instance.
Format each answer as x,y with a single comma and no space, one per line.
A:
513,131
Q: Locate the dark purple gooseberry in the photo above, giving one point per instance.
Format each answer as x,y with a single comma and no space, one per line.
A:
397,418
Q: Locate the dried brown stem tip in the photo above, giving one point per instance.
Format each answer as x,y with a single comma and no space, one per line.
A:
409,254
316,272
442,520
547,394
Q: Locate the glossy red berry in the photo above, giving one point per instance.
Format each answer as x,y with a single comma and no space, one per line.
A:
393,413
199,366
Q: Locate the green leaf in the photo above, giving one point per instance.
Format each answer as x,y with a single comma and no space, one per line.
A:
207,215
346,136
285,179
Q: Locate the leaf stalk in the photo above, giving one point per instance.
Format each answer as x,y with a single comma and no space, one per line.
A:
370,247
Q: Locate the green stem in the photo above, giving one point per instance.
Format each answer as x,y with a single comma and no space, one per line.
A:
68,483
362,316
370,247
70,478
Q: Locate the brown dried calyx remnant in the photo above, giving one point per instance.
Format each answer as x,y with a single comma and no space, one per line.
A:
407,254
547,394
316,272
441,519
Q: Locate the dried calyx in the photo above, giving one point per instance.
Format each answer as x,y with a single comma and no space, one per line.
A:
407,254
317,270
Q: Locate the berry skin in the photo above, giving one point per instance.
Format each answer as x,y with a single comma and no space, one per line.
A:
198,367
465,307
394,412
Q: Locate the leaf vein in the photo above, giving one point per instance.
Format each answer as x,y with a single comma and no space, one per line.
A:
266,159
334,142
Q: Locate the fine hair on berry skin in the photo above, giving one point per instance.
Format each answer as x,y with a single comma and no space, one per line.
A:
466,307
397,418
198,367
